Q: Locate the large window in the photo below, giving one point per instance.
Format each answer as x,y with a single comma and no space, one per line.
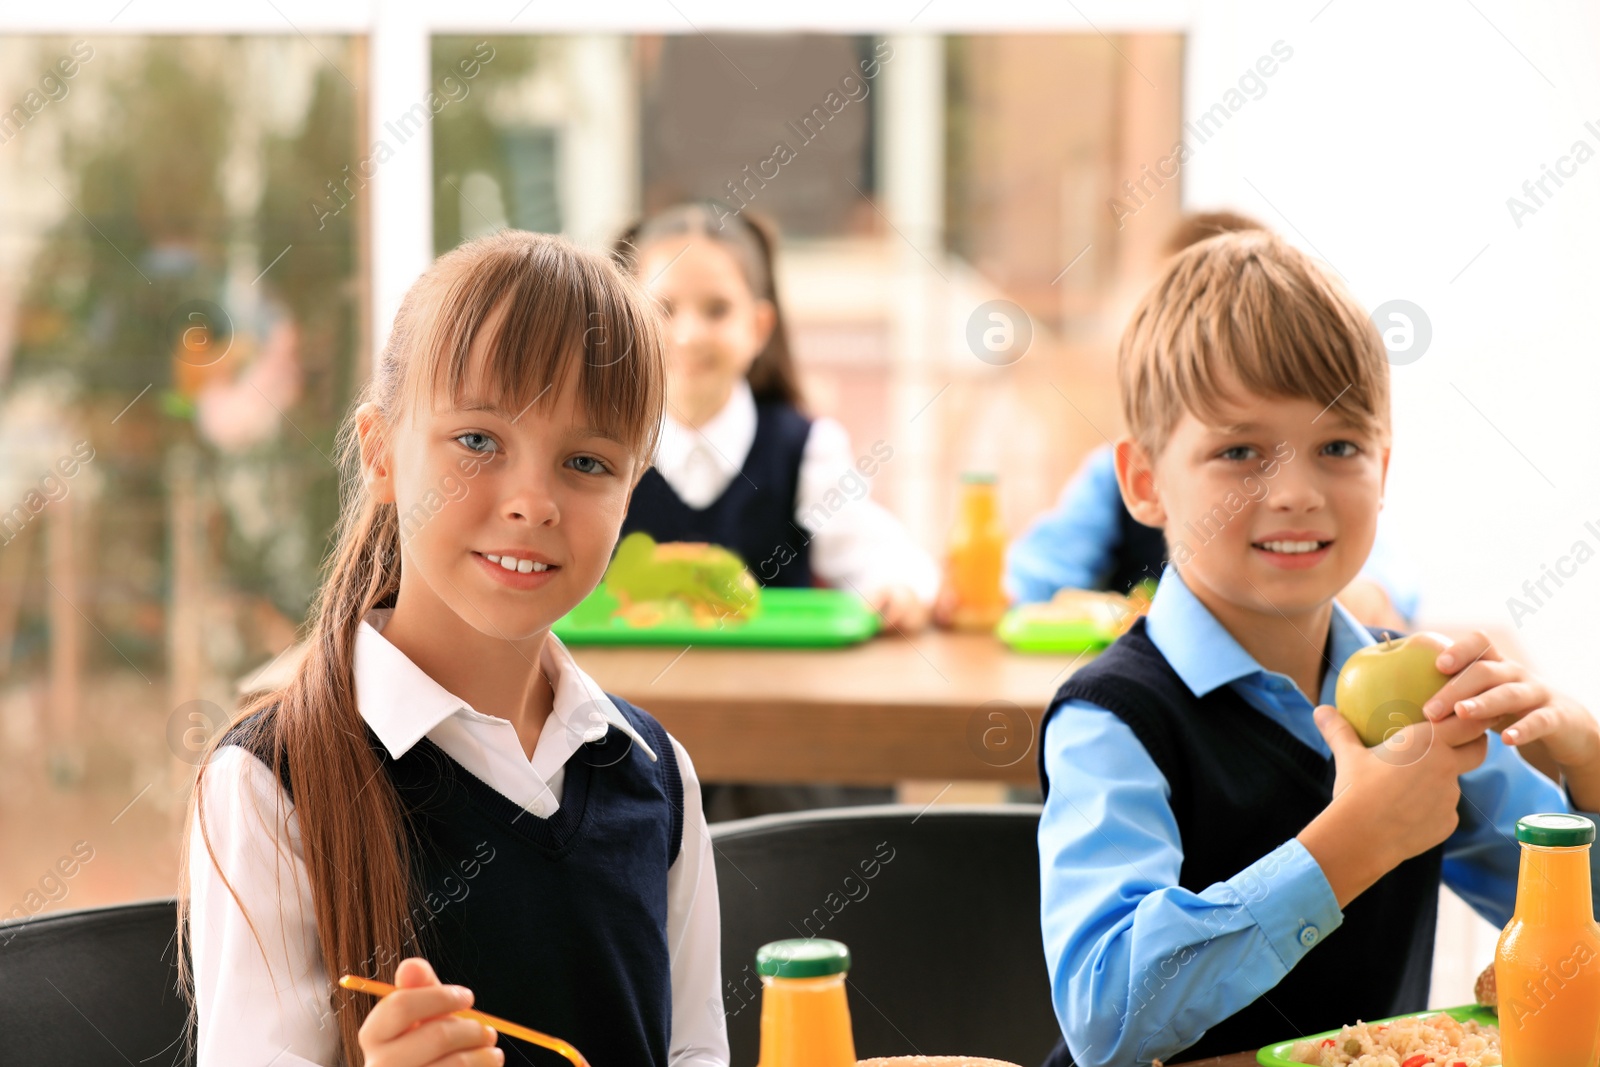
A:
580,134
500,135
181,308
781,124
189,227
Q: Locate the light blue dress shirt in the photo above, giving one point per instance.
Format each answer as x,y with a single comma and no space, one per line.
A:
1073,546
1141,968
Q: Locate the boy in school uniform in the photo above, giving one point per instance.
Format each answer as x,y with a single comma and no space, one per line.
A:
1223,864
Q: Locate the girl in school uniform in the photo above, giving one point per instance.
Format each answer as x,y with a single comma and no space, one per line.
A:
741,464
440,797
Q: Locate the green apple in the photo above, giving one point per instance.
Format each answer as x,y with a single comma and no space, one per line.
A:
1382,687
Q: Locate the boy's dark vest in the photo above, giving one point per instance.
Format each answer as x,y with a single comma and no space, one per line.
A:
561,923
754,516
1141,552
1241,786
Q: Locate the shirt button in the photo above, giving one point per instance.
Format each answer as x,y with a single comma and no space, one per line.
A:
1309,935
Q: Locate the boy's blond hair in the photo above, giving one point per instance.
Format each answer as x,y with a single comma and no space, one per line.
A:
1247,310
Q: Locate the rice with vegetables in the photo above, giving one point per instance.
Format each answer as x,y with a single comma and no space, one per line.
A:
1424,1041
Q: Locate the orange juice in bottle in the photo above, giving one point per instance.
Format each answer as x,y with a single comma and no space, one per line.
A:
805,1020
1547,965
977,555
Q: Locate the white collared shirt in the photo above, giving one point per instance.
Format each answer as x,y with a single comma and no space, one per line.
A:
855,542
255,1011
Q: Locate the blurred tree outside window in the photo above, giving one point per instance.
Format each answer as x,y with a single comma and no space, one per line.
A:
182,301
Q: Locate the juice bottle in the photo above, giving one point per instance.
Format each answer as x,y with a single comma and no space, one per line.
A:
1547,965
805,1021
977,555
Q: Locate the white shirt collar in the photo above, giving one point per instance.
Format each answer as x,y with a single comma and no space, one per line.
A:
401,702
726,436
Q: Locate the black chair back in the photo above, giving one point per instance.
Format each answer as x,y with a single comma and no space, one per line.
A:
93,987
940,908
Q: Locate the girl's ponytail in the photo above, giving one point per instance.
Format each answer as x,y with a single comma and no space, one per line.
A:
351,825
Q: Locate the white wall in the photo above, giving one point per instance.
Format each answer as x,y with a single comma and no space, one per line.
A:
1388,144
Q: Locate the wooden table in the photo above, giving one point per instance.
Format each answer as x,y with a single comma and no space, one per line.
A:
938,705
1238,1059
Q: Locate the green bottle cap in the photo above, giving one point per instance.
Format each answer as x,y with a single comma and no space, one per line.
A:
802,958
1555,830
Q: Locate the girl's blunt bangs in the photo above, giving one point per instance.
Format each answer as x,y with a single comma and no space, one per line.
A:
565,309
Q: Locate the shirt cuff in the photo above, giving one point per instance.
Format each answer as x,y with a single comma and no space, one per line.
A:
1290,899
1572,805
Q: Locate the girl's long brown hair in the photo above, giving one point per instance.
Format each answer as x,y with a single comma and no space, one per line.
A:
566,310
753,241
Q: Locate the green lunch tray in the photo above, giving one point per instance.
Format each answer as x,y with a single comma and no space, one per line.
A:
1278,1055
1025,636
786,618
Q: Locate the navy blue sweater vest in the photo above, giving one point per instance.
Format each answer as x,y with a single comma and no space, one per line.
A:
1241,786
754,516
559,924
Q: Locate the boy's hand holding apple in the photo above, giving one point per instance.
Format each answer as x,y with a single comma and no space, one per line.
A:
1552,731
1424,704
1390,802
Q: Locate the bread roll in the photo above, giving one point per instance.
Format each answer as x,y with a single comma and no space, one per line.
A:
1485,990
